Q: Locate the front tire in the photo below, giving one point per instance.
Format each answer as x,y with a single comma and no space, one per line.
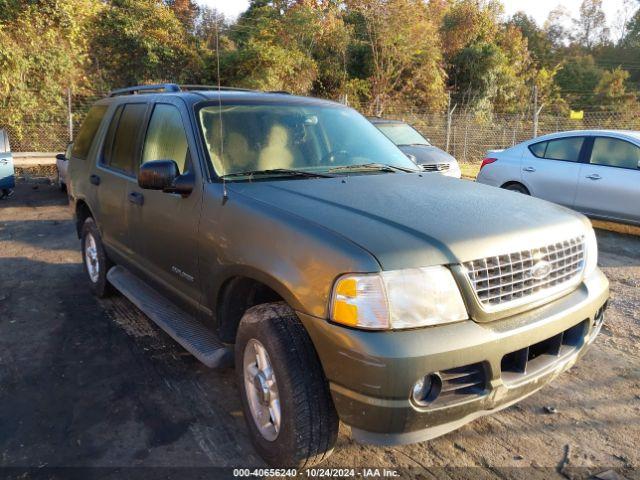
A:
95,260
285,396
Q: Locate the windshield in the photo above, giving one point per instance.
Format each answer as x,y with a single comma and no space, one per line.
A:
402,134
310,138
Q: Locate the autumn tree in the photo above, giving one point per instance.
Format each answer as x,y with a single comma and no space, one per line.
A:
398,44
138,41
591,26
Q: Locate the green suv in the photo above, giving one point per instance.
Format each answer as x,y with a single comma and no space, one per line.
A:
288,236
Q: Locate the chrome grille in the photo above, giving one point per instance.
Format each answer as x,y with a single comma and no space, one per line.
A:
436,167
519,277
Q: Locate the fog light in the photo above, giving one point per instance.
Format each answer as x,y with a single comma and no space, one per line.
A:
427,389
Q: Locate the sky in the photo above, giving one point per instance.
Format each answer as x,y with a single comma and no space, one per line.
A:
539,9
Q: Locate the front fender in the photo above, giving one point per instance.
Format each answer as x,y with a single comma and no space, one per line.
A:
295,257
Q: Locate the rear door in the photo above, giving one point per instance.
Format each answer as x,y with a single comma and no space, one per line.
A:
116,174
164,226
609,184
550,169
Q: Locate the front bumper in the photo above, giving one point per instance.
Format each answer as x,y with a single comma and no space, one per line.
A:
371,374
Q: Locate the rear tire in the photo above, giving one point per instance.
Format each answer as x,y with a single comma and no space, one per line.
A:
301,429
94,259
516,187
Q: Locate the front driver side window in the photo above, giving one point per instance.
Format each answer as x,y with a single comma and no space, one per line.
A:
166,138
612,152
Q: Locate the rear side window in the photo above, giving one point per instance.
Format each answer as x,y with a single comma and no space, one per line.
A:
83,141
122,142
538,149
166,138
566,149
612,152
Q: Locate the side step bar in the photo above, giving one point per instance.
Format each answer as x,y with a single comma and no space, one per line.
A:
197,339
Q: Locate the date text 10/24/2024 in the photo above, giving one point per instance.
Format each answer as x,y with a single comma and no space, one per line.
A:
317,472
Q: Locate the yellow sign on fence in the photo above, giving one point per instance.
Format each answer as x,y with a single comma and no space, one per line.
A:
576,115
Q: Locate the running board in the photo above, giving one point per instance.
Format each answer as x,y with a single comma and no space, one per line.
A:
197,339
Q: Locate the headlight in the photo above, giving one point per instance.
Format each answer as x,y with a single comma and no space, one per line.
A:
591,245
398,299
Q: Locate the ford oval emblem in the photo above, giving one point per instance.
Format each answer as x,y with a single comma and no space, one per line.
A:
541,270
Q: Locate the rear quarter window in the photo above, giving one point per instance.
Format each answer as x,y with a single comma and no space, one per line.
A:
538,149
83,141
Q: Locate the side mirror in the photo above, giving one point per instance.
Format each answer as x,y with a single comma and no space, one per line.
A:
164,175
412,158
61,157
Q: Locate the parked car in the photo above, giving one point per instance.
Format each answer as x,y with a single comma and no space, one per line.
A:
596,172
287,235
7,175
418,148
62,164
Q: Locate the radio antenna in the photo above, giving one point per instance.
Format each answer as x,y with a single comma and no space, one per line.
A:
224,170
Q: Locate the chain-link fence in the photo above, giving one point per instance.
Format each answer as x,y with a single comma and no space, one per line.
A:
464,134
469,136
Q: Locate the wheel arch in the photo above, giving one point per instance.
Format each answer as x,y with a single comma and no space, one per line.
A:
241,291
515,182
82,212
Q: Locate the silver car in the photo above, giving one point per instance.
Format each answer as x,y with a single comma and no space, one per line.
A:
596,172
417,147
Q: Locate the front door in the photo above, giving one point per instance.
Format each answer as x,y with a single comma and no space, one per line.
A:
609,184
164,226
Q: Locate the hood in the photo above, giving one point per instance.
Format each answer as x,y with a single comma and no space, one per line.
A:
427,154
412,220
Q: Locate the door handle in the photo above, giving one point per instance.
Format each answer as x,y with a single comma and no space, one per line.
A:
594,176
529,169
95,179
136,198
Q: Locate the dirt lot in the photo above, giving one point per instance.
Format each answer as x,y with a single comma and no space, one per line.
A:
92,383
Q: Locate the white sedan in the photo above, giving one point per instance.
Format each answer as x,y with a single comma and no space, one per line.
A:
596,172
62,164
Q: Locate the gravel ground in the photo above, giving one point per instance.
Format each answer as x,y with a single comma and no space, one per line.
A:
88,383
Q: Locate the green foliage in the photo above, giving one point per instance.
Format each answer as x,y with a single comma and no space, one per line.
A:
138,41
374,54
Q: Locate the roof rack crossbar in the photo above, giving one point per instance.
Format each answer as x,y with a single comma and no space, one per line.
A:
215,87
163,87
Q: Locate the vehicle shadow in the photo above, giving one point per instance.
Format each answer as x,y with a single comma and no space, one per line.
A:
35,195
94,382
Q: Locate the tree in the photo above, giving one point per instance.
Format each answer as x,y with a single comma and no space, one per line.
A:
396,40
43,52
556,29
538,43
591,25
611,91
139,41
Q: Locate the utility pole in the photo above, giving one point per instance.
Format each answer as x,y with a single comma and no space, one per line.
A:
449,118
70,114
536,111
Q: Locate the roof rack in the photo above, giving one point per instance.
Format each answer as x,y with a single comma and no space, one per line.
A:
214,87
173,88
161,87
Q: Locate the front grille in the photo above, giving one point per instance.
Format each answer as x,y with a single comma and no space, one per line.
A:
519,277
436,167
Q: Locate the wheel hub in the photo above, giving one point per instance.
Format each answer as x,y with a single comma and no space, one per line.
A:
261,390
261,386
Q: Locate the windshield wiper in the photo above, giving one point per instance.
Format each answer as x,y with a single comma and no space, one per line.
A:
277,171
380,167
